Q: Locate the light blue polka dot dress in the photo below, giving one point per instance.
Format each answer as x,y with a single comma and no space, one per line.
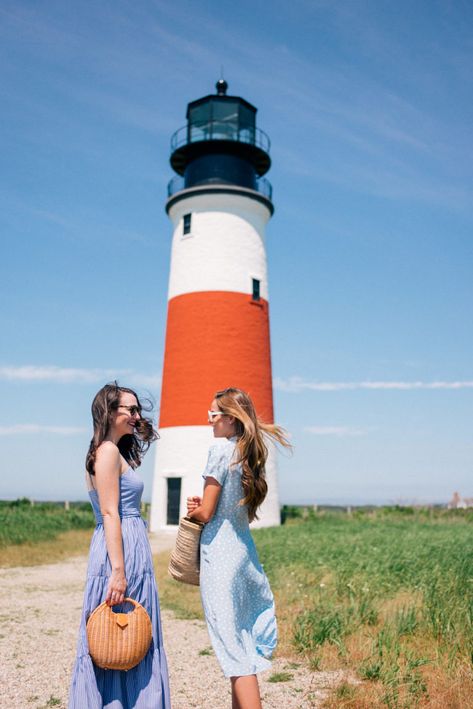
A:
236,597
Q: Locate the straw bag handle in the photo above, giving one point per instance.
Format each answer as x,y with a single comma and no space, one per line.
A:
130,600
197,522
125,600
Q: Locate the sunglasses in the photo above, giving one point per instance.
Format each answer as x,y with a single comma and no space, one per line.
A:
133,410
212,414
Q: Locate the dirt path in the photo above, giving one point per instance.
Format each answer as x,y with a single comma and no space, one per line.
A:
39,619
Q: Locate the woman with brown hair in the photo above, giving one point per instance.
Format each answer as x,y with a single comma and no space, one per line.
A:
120,561
236,597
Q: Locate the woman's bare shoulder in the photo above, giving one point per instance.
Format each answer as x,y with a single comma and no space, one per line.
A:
108,452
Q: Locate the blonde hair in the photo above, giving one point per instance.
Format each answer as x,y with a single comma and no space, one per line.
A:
251,446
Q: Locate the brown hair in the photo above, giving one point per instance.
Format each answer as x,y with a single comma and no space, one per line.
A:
132,446
251,446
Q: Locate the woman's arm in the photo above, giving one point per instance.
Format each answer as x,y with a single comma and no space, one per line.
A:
107,476
203,509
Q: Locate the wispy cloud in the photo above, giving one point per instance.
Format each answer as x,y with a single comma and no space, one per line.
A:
297,384
34,373
150,381
339,431
33,428
68,375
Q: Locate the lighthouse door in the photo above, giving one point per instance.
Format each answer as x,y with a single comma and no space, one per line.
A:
174,500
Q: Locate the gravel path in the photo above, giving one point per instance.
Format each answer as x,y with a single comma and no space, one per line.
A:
39,620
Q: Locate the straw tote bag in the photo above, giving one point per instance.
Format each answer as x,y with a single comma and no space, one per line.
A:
118,641
184,564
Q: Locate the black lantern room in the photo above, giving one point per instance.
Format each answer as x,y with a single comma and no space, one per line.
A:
220,145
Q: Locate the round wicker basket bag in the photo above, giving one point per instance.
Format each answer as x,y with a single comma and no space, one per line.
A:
118,641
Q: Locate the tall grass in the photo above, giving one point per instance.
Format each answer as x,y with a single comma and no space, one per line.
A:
21,523
387,594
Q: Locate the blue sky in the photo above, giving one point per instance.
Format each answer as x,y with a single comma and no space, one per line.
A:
369,109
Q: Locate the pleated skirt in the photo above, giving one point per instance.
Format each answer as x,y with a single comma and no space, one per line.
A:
145,686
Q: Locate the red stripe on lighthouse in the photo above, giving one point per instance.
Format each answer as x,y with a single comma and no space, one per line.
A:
214,340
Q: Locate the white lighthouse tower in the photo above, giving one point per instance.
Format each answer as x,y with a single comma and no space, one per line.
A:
217,331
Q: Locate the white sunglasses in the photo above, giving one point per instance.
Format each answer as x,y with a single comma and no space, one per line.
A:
213,414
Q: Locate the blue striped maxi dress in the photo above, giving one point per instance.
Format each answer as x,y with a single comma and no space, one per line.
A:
146,686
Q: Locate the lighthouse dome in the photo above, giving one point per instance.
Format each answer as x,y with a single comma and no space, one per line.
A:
220,145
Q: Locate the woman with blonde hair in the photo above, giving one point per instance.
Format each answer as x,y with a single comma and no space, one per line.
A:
236,596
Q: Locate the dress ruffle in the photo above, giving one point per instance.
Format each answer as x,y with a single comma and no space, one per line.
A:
145,686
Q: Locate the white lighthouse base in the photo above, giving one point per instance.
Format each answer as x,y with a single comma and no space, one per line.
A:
182,455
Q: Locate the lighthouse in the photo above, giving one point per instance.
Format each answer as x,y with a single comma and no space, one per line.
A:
217,332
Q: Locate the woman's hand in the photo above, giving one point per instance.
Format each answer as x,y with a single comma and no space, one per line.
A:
193,503
116,588
203,508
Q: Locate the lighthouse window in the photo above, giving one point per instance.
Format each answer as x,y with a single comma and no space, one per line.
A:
256,289
186,229
174,500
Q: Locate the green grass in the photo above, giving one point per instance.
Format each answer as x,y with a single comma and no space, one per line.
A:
280,677
22,523
181,598
388,594
206,651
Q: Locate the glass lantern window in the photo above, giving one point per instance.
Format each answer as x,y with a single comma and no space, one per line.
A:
217,119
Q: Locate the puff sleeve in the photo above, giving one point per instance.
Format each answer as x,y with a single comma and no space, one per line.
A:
217,464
